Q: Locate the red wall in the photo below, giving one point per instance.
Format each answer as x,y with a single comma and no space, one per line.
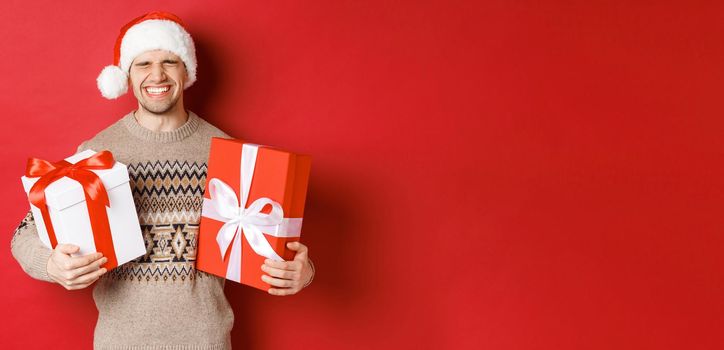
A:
487,174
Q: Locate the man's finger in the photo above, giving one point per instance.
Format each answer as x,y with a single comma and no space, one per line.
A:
275,272
89,277
278,282
95,265
81,286
300,256
67,248
284,265
80,261
281,291
297,246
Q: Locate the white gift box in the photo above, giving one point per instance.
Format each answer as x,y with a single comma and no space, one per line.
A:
69,212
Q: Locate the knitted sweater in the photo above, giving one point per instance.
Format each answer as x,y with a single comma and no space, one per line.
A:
159,300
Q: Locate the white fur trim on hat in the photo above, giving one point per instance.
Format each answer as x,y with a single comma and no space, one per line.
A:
112,82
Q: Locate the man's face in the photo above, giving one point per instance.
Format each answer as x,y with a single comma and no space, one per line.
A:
157,78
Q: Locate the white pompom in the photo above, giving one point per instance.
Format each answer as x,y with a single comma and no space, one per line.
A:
112,82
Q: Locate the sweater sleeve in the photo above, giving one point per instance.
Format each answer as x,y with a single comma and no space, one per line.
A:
29,251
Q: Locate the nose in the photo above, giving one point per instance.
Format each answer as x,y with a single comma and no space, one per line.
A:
157,73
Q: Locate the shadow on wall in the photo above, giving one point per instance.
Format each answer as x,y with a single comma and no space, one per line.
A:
338,245
208,75
211,77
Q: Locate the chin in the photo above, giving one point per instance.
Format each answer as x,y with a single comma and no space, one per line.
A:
158,109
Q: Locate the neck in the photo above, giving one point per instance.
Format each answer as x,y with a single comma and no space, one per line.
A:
167,121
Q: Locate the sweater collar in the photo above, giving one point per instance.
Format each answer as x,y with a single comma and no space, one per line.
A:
178,134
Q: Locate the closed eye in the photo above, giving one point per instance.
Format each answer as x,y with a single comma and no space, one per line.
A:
146,63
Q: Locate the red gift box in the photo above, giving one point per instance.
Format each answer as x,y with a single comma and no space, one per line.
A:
253,206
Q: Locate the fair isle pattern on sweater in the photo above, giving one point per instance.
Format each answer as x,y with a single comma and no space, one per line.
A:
168,197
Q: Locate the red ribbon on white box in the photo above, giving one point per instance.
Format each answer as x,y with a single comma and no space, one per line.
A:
249,222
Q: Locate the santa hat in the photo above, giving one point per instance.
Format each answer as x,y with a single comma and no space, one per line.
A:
152,31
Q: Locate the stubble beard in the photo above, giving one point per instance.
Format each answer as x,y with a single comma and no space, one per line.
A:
159,107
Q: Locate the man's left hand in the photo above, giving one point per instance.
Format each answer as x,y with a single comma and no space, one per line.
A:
290,276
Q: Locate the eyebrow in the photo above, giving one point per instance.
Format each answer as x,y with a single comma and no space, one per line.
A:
168,60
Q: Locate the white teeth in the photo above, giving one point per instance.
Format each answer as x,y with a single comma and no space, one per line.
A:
152,90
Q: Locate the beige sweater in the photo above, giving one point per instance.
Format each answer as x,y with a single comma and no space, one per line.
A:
158,301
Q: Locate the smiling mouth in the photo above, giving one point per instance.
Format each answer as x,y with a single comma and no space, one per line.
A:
159,91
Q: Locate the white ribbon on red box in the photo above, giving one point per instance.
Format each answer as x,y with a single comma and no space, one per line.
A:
249,222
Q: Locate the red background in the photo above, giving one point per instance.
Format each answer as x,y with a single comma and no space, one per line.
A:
486,174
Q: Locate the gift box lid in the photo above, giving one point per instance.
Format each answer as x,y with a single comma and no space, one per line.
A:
66,192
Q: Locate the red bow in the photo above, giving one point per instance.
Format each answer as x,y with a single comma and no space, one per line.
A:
95,194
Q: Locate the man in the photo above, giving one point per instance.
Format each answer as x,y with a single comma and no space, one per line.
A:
158,300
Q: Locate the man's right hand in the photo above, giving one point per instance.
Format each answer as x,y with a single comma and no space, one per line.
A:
75,272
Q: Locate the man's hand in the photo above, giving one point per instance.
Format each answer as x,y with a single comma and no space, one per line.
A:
293,275
75,272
